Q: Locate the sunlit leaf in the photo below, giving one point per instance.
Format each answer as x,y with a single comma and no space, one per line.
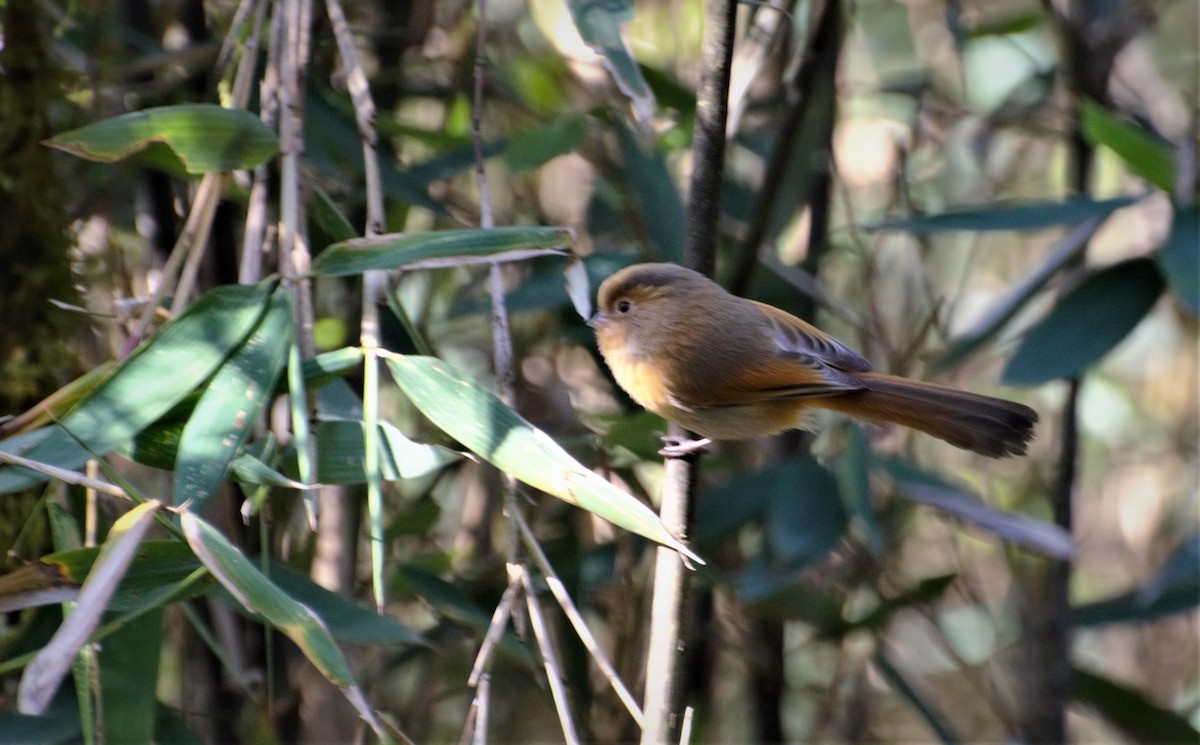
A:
146,385
259,595
1086,323
43,676
478,419
1146,154
443,247
231,404
340,454
204,137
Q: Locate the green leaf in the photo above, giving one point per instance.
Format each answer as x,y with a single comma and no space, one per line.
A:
259,595
1086,323
345,619
340,459
1071,246
144,387
44,674
790,600
1130,712
531,149
804,516
441,248
204,137
654,196
129,659
1023,217
157,564
1179,257
854,479
600,25
1146,154
231,404
474,416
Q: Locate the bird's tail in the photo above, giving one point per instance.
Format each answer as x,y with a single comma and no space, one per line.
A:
985,425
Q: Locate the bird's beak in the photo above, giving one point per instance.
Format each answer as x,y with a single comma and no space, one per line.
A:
598,320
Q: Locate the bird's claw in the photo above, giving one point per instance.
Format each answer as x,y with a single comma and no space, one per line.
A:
681,447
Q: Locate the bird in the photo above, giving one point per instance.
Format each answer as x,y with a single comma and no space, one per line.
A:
730,368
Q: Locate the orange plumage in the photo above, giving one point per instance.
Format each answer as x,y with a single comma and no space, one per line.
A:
729,368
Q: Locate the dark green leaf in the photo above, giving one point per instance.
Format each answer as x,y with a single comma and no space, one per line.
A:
654,195
1022,217
204,137
346,620
1129,711
790,600
232,402
804,517
925,488
854,478
1086,323
531,149
1179,257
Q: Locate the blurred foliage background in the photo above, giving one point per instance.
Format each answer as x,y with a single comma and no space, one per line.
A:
997,195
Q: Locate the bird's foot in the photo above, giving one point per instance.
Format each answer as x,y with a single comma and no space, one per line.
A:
681,447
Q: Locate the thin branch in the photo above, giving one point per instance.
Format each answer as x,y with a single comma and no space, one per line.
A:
495,629
559,591
254,236
541,632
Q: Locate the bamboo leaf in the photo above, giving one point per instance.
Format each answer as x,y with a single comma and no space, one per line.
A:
43,676
259,595
152,380
484,424
441,248
232,402
1146,154
204,137
1086,323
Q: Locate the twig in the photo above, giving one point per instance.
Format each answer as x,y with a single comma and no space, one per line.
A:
549,660
374,284
65,475
496,628
254,236
559,591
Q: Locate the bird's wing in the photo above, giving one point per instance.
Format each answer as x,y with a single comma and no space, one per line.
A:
795,338
808,363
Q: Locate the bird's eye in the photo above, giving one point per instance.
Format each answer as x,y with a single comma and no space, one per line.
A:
623,306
